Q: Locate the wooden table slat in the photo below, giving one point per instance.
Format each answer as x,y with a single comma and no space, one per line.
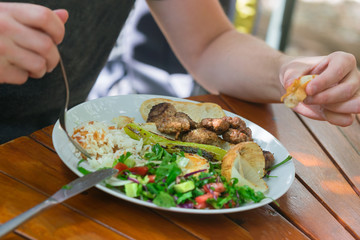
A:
307,217
48,130
273,225
199,226
13,236
57,222
352,134
43,138
326,180
334,141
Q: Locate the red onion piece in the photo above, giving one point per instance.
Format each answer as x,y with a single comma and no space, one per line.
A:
133,179
192,173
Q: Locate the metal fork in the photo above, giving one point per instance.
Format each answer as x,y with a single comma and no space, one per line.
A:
64,110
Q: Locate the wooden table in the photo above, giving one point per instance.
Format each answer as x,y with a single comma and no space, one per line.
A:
322,203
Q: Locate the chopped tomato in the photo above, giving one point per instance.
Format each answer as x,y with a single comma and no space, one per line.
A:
216,194
214,187
151,178
134,170
203,198
230,204
121,167
142,171
200,205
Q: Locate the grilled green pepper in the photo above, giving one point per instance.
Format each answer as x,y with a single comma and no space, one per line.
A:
208,151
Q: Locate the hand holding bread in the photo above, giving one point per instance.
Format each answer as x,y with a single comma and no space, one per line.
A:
333,95
296,92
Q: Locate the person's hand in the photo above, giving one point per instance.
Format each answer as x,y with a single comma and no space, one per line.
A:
333,95
29,35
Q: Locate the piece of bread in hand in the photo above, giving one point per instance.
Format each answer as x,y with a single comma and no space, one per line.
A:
196,111
245,161
296,93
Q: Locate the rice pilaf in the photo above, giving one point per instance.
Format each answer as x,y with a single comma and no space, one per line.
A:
106,143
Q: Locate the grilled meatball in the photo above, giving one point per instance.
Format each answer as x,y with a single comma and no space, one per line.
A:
201,135
193,124
172,124
160,111
269,159
235,136
217,125
248,132
235,122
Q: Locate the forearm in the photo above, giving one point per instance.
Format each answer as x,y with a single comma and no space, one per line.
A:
241,66
219,58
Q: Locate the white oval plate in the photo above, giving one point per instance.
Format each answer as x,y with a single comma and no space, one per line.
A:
105,109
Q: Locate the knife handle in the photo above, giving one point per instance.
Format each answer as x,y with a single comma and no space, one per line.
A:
13,223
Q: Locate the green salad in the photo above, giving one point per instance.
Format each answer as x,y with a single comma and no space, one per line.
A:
170,173
162,182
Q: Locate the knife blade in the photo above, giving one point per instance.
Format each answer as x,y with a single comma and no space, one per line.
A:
81,184
73,188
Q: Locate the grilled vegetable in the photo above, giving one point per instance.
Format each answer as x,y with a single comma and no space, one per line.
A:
208,151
